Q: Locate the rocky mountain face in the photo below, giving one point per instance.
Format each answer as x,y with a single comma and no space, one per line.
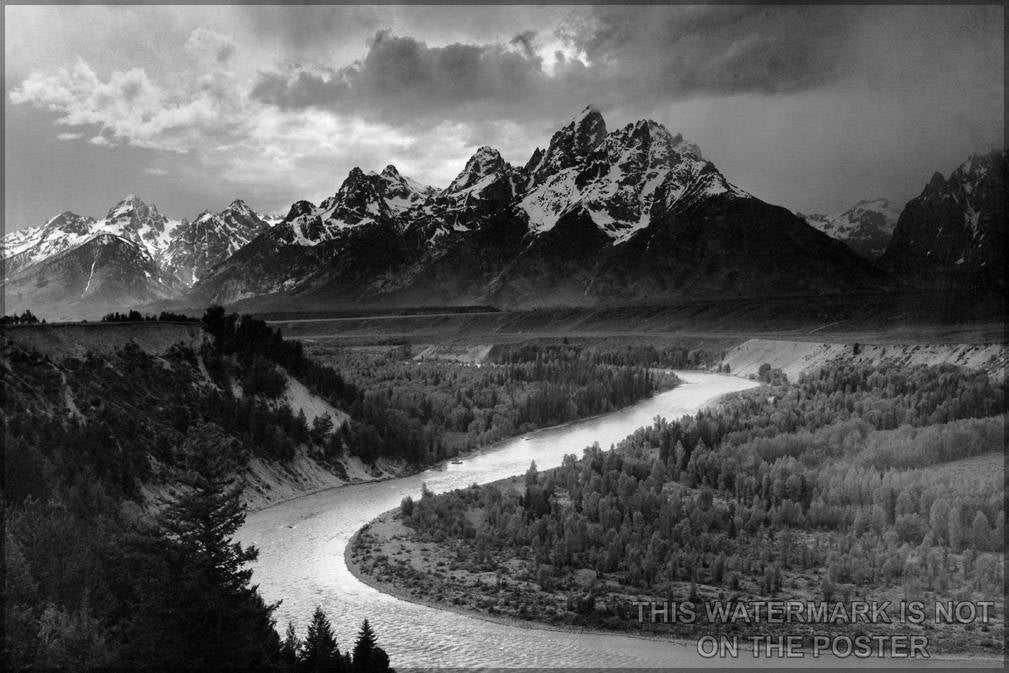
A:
954,232
635,214
76,266
105,272
866,227
208,240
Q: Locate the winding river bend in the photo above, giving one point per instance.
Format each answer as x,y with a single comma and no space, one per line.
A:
301,556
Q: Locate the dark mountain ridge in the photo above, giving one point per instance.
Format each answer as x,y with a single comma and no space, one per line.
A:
630,215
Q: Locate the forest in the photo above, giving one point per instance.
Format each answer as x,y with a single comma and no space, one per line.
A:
426,411
831,488
98,576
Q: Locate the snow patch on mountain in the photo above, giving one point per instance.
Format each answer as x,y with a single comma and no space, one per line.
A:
169,244
634,173
866,227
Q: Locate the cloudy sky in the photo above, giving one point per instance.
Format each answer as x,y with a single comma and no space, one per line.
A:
190,107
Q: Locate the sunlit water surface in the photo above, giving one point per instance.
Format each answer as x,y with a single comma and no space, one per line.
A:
301,557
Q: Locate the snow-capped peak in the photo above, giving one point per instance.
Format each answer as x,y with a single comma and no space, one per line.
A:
620,179
131,203
485,163
569,145
866,227
210,239
26,246
240,206
400,192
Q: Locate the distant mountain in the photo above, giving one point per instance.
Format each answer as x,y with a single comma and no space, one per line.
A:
25,247
210,239
105,272
630,215
866,227
954,232
636,214
74,265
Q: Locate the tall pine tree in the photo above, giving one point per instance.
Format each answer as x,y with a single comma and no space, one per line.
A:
368,656
319,652
200,610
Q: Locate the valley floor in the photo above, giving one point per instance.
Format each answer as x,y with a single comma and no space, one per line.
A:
391,557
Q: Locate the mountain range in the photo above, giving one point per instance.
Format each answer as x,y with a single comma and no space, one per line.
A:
79,266
636,214
953,234
866,227
597,216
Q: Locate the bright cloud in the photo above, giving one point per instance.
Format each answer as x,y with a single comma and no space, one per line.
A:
278,103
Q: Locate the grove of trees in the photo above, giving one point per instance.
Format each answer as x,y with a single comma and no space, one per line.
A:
834,486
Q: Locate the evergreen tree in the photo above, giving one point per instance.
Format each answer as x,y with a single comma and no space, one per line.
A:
364,648
980,532
199,609
319,653
955,527
290,648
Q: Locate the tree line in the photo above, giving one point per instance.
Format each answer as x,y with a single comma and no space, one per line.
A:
94,581
26,318
427,411
89,586
832,481
137,316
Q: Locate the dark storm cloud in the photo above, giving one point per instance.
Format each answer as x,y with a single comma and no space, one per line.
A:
653,54
682,52
525,40
403,77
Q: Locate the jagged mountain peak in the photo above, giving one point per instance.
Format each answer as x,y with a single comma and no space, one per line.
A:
71,222
358,187
131,203
588,126
210,239
956,227
569,145
978,165
620,179
354,177
299,208
485,162
663,147
866,227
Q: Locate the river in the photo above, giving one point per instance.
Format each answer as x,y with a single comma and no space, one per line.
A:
301,557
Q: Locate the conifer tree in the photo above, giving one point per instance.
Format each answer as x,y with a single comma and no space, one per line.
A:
290,648
364,648
319,653
199,602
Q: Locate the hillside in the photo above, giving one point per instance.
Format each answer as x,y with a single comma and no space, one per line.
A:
795,358
151,388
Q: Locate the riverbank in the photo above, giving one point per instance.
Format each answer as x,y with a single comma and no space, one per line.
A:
386,537
300,544
354,558
445,564
268,484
